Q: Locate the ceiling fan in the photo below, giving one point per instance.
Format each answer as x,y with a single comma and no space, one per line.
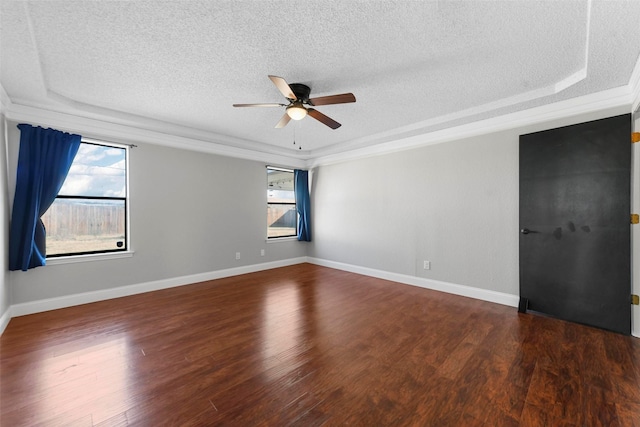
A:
298,96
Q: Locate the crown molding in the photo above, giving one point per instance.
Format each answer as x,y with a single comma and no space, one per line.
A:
135,129
613,98
5,101
109,115
165,134
634,86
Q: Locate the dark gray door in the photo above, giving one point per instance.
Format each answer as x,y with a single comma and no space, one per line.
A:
575,240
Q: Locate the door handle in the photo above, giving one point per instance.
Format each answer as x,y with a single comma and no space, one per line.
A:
527,231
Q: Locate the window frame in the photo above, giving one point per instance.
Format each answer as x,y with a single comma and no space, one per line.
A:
125,251
295,207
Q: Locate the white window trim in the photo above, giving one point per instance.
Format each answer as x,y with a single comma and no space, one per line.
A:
281,239
72,259
285,238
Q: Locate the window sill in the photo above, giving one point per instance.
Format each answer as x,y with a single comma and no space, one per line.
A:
86,258
282,239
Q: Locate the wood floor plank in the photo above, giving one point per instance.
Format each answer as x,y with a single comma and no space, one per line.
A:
311,346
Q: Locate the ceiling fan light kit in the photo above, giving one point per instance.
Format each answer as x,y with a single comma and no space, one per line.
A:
296,111
298,96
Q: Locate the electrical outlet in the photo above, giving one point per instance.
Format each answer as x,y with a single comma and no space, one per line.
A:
426,265
261,252
237,255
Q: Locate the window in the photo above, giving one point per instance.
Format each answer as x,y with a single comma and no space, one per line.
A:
281,204
89,214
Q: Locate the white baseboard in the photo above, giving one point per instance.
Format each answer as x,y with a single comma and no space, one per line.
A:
450,288
123,291
89,297
4,320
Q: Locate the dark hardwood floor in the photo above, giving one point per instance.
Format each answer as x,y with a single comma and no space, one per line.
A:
307,346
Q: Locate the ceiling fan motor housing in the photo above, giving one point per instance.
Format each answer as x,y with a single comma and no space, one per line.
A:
301,91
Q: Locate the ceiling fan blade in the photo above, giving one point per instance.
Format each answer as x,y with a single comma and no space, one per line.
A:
283,87
343,98
283,121
323,119
260,105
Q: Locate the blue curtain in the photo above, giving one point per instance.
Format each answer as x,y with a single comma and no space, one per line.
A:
43,164
303,204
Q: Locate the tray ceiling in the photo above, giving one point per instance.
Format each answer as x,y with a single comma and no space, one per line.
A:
413,66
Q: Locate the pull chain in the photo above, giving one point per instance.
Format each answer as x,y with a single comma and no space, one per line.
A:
295,126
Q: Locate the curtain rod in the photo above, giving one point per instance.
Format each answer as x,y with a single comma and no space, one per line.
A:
98,141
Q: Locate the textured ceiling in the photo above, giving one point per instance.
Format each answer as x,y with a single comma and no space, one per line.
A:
411,64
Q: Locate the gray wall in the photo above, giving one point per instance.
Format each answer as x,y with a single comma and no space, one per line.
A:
454,204
5,298
190,213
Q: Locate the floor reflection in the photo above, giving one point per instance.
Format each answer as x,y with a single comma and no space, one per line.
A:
85,384
282,319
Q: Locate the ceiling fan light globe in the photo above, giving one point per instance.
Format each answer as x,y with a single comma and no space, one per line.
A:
296,112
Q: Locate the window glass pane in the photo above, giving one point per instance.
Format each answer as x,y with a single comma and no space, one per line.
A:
97,170
81,225
280,186
281,220
281,204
